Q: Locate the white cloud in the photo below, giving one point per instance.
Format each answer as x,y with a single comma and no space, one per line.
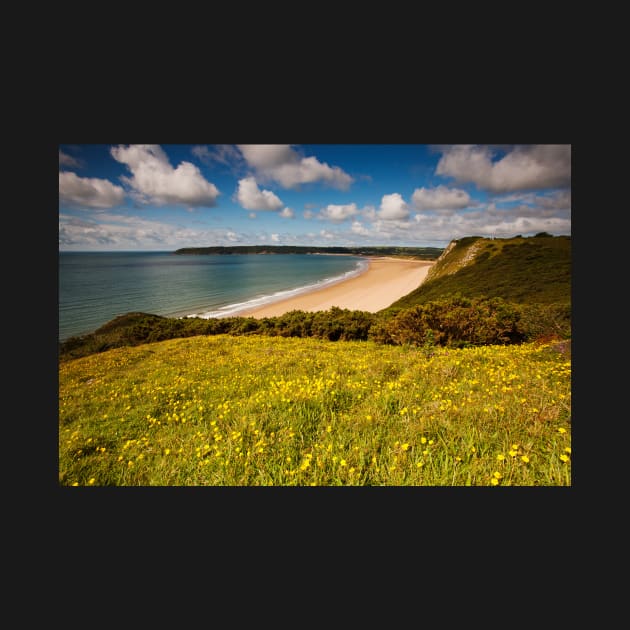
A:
557,200
252,215
155,180
68,160
226,154
120,232
358,228
280,163
438,229
338,213
393,207
252,198
287,213
275,238
369,212
525,167
439,198
308,214
88,192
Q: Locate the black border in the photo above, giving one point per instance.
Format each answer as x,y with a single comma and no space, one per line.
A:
317,115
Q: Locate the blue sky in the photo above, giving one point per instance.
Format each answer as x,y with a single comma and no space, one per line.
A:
162,197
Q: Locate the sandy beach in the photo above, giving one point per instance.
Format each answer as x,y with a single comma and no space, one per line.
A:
385,281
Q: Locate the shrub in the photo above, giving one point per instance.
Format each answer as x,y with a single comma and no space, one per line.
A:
455,322
544,320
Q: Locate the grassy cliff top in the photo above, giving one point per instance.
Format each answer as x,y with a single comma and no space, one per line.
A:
523,270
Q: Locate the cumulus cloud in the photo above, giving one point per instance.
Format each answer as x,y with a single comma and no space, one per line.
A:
155,180
252,198
308,214
338,213
439,198
558,200
358,228
525,167
88,192
275,238
287,213
440,228
393,207
282,164
369,212
225,154
68,160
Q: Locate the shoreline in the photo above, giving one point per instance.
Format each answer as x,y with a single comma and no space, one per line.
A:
385,280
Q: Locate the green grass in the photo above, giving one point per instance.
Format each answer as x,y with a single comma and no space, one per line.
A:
535,270
256,410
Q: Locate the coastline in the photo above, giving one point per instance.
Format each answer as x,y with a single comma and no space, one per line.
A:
385,280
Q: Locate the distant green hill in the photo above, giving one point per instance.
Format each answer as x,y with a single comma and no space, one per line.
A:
424,253
534,270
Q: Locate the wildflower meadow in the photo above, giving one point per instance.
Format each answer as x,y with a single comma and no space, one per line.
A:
261,411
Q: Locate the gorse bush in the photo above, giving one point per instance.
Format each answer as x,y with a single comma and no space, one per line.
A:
545,320
335,324
454,322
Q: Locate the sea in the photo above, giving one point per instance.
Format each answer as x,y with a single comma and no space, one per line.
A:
96,287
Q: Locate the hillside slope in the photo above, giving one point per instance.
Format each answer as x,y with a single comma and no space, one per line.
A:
534,270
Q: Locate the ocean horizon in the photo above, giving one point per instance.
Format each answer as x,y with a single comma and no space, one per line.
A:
96,287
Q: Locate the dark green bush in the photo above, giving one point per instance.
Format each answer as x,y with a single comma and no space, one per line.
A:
545,320
455,322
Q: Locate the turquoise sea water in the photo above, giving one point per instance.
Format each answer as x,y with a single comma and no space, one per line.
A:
95,287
